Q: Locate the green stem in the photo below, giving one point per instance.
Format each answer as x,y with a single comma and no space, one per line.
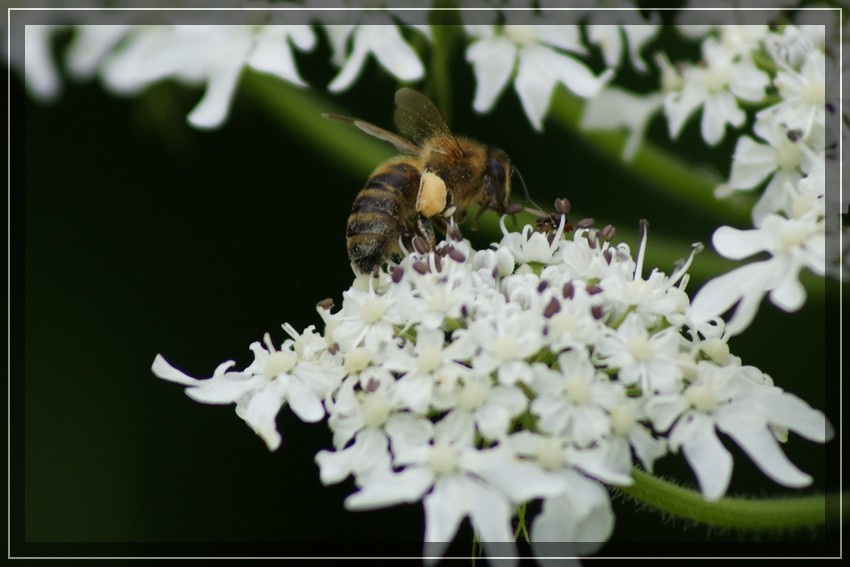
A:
732,512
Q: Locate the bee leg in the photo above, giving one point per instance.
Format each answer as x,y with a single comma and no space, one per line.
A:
440,223
477,216
450,208
426,230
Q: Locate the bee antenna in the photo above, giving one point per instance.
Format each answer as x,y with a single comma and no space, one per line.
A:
525,189
514,170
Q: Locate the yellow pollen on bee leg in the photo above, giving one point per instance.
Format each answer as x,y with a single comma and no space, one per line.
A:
432,195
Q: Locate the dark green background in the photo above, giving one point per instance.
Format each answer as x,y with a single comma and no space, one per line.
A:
142,236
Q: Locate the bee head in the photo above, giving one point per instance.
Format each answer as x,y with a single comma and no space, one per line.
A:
497,180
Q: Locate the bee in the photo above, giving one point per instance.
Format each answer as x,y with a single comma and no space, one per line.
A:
437,176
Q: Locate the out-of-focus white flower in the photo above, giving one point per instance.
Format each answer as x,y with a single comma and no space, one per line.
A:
781,160
41,74
372,33
804,95
726,75
606,29
614,108
214,55
536,51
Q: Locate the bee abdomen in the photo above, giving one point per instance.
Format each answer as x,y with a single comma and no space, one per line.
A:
378,214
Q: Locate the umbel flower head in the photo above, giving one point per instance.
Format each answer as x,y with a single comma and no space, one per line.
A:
540,368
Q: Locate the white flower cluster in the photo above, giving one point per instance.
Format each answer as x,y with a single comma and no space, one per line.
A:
790,153
527,49
796,216
477,381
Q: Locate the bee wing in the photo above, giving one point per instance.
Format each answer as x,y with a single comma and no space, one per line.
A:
419,119
400,143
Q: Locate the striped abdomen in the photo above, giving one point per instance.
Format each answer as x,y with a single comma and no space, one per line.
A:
380,211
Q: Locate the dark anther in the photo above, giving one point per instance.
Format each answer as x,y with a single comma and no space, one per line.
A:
794,135
495,273
513,209
586,223
607,233
550,238
398,272
421,267
334,348
326,304
372,385
607,256
456,255
455,233
464,312
552,307
562,206
592,242
541,287
421,245
438,263
596,311
568,291
593,289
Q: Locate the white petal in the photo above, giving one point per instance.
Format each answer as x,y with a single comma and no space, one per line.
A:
520,481
706,455
353,65
493,62
737,244
678,107
534,83
763,448
385,489
394,53
445,507
567,38
748,82
40,72
720,108
790,295
721,293
211,111
647,448
790,411
262,410
89,46
577,523
491,518
751,164
226,389
272,54
164,370
304,402
338,35
638,35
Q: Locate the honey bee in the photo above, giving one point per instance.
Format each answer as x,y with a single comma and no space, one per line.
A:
438,176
